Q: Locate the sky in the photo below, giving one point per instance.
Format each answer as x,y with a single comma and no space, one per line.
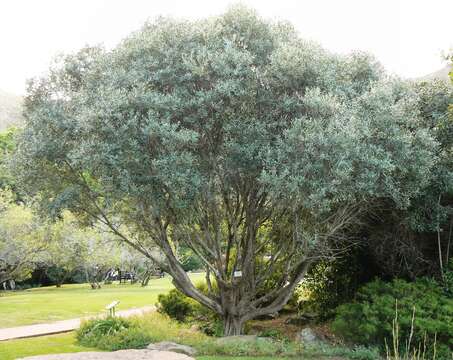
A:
407,36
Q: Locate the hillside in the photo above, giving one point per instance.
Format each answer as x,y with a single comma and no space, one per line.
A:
441,74
10,109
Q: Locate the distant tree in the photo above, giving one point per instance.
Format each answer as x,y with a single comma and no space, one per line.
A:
66,249
257,150
22,239
7,147
134,262
100,254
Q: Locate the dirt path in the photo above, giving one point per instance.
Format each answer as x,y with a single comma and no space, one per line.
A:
60,326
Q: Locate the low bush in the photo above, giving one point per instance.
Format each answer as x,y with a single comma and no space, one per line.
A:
112,333
181,308
448,278
369,320
329,284
176,305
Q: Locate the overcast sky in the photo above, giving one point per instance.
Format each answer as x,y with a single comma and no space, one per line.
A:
407,36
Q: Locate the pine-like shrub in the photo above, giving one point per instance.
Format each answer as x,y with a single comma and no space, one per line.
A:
422,305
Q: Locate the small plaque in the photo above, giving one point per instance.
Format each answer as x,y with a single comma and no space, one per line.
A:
237,273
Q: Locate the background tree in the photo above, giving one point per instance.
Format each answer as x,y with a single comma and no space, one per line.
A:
257,150
66,249
416,241
100,254
136,263
22,239
7,147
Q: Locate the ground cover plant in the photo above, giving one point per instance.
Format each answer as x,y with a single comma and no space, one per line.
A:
111,334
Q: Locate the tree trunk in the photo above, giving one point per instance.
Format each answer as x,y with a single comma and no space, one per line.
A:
233,325
145,280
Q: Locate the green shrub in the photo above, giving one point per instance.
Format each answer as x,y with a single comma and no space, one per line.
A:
176,305
448,278
131,338
213,327
184,309
112,333
369,319
274,334
329,284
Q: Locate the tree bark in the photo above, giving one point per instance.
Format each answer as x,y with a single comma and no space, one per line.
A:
233,325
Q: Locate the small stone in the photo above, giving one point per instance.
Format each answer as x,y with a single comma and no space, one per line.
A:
194,328
308,336
173,347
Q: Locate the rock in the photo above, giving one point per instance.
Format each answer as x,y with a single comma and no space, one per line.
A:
144,354
308,336
195,328
173,347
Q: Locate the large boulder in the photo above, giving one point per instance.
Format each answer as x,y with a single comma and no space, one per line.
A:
144,354
173,347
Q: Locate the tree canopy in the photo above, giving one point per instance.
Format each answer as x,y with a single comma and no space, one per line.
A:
258,150
22,239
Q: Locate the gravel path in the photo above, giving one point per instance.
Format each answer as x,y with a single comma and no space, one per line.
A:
59,326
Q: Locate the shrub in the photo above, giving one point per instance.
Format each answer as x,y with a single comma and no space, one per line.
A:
448,278
184,309
131,338
176,305
112,333
369,319
273,334
331,283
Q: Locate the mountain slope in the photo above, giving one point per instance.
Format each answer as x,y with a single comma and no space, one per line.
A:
10,110
441,74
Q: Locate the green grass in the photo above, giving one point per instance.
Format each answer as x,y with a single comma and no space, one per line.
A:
242,358
65,343
47,304
52,344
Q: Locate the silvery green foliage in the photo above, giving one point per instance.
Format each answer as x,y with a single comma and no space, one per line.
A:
433,208
354,150
230,134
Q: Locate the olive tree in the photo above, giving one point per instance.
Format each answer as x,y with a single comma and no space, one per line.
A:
232,136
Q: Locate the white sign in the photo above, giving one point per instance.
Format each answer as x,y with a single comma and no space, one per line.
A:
237,273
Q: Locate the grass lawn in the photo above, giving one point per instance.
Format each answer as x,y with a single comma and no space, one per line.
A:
64,343
52,344
47,304
241,358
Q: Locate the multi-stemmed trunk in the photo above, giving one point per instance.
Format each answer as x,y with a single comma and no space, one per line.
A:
233,325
